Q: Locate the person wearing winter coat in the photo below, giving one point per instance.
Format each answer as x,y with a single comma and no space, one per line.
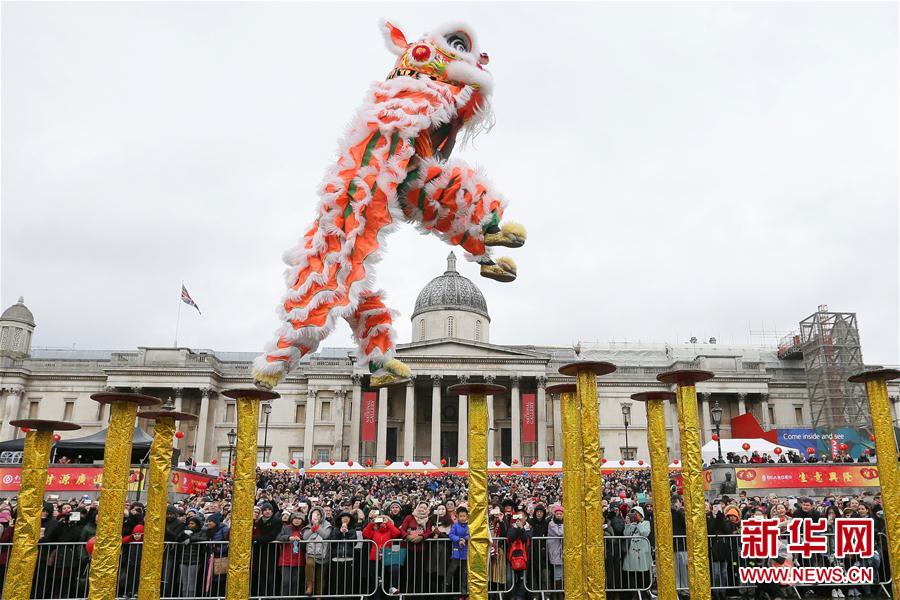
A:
438,560
192,555
292,558
346,556
538,576
415,529
314,534
6,537
458,576
130,562
518,536
554,546
64,560
616,547
638,560
217,566
266,530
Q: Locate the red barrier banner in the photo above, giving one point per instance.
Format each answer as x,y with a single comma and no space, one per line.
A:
188,482
529,418
808,475
369,416
90,479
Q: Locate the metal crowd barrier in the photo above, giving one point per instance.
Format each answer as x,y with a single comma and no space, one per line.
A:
624,573
725,560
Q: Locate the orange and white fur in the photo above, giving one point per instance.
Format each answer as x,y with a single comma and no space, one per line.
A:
393,166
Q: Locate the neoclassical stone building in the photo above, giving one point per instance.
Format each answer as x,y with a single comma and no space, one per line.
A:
318,415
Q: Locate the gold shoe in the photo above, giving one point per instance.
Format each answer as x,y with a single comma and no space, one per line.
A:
378,381
504,270
397,372
266,382
511,235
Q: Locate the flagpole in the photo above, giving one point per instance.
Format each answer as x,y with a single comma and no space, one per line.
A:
178,319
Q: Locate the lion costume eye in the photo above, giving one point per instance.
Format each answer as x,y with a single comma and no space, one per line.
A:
459,41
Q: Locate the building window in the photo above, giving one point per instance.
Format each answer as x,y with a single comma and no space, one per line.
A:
325,411
100,411
629,452
602,452
451,327
229,413
798,414
771,415
296,455
323,454
69,410
345,453
223,458
348,410
262,453
478,330
421,329
33,410
300,414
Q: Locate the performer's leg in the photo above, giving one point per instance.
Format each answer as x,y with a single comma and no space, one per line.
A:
372,324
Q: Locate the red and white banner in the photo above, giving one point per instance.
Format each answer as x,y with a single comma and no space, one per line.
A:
369,416
529,418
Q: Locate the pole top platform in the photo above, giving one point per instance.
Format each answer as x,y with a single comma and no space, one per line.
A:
595,367
654,395
254,393
562,388
172,414
467,389
685,376
875,375
45,425
117,397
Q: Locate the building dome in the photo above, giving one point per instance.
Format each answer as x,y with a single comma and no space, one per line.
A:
451,291
19,313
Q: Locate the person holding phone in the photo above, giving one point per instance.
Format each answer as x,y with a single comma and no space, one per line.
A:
638,560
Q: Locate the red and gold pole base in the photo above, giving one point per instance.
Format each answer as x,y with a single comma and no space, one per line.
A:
594,553
572,489
479,541
116,465
659,484
27,531
692,474
244,488
886,453
157,498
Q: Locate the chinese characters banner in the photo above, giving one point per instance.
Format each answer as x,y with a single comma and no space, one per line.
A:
529,419
59,479
188,482
824,476
369,416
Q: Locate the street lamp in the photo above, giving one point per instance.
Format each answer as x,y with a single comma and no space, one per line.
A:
626,418
267,410
232,437
716,412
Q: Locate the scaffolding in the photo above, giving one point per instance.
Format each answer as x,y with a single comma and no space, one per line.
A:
831,353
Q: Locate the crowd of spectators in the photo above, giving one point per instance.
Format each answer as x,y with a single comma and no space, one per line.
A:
792,456
320,535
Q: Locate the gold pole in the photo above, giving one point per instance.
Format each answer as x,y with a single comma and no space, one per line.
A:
116,462
157,499
886,453
573,490
479,540
593,567
27,530
243,492
692,474
659,484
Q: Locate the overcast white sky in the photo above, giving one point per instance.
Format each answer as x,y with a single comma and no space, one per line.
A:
683,169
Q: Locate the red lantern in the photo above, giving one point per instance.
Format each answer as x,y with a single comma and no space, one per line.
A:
274,463
550,463
461,462
25,430
745,446
405,463
368,462
515,461
293,462
675,462
603,461
641,463
496,463
387,463
56,437
810,450
777,450
533,461
715,437
621,462
843,447
330,461
179,435
443,462
349,463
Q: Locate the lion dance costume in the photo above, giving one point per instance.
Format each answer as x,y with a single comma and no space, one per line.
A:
393,166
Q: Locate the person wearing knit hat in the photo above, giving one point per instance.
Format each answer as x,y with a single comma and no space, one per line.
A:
732,513
637,563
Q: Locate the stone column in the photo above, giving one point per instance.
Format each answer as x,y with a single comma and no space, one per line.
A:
895,402
671,410
381,437
704,411
462,442
515,418
355,416
13,404
340,396
202,425
742,403
556,402
764,406
309,427
436,419
541,419
409,422
492,429
178,402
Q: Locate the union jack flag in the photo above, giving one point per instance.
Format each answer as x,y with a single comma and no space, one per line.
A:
186,298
